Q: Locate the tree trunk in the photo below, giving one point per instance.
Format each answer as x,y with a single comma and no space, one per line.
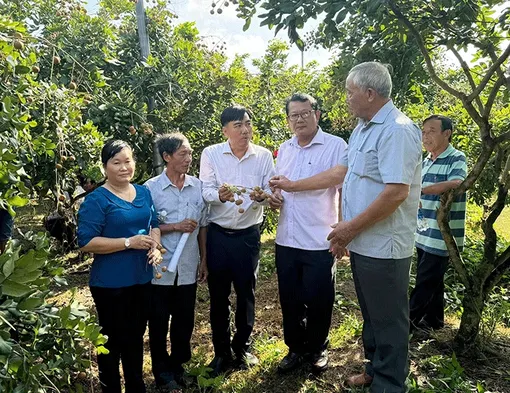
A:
467,334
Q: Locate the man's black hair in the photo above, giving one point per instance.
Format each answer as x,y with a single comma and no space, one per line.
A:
446,123
301,97
170,143
234,113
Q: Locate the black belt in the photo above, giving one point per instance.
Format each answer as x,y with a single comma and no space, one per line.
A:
234,232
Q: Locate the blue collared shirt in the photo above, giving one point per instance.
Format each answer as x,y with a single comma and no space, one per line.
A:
385,150
172,206
106,215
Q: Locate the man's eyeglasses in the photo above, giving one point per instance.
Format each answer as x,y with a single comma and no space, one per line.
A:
303,115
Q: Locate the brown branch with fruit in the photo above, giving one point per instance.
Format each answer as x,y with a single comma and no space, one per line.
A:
256,193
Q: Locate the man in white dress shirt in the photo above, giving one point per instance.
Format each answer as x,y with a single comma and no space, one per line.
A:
306,268
233,237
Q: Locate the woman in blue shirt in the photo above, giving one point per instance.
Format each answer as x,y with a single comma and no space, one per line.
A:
117,223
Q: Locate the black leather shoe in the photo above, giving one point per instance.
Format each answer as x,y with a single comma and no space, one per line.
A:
167,383
319,361
219,365
246,360
290,362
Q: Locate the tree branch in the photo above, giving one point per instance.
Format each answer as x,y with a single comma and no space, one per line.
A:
488,145
430,67
492,96
423,49
502,265
451,245
502,138
467,72
495,66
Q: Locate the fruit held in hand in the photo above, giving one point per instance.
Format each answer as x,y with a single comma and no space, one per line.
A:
232,199
158,275
162,251
164,268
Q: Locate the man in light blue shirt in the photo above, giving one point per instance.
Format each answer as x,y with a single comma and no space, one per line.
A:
380,195
181,210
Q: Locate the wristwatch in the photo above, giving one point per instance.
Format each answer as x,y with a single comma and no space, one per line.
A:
127,243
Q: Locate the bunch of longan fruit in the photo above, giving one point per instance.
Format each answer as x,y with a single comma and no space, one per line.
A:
256,193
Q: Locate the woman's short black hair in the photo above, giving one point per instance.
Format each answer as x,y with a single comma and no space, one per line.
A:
111,148
234,113
170,143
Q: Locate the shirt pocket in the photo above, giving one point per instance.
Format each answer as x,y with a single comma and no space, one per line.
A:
194,210
365,164
312,170
168,215
253,180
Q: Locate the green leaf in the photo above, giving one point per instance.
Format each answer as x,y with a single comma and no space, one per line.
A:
22,276
14,289
247,24
29,262
102,350
21,69
5,347
30,303
17,201
8,267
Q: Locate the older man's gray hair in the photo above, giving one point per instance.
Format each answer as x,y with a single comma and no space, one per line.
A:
372,75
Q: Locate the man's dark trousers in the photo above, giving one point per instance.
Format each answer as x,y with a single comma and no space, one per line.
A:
232,258
382,289
427,298
178,302
306,283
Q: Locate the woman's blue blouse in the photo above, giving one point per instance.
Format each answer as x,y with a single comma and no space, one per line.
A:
104,214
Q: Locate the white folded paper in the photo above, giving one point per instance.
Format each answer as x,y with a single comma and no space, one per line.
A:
172,266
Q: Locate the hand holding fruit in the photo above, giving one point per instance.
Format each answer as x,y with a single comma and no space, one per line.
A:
276,200
187,225
258,194
281,182
141,242
225,193
155,257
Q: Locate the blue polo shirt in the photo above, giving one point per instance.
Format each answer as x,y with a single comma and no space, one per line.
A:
105,214
449,165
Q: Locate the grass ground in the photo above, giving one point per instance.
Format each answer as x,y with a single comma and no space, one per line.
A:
432,365
430,358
